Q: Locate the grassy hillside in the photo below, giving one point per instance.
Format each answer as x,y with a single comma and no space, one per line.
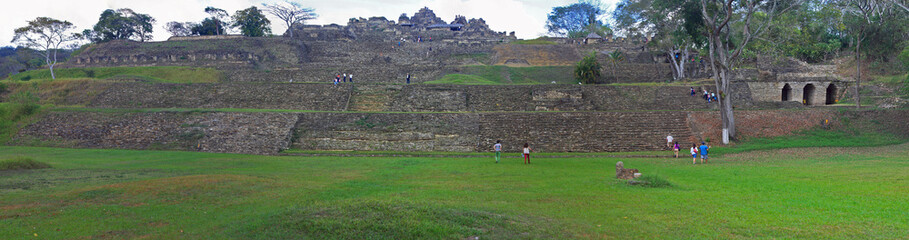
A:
150,74
792,193
509,75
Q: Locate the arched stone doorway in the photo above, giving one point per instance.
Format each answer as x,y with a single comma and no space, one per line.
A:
831,94
808,96
787,93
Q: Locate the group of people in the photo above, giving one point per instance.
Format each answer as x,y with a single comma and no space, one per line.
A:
498,149
709,96
343,78
696,150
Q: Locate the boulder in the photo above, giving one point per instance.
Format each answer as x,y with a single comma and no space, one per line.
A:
625,173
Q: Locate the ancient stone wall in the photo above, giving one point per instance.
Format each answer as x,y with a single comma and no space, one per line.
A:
321,97
268,133
253,133
387,132
459,98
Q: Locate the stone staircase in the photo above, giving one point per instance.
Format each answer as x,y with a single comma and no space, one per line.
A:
372,98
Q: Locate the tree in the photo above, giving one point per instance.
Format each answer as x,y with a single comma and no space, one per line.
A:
122,23
726,43
588,69
142,24
862,15
46,35
251,22
292,13
577,20
208,26
675,25
615,57
218,15
179,29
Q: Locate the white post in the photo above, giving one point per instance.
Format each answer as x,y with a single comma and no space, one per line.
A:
725,136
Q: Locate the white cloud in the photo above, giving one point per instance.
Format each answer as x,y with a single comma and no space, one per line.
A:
526,17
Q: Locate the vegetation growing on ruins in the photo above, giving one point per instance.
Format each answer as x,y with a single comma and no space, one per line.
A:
161,194
168,74
509,75
536,41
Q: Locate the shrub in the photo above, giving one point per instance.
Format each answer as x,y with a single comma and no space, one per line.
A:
21,163
3,87
588,69
24,103
904,58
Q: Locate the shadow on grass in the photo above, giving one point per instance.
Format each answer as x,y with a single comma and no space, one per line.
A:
390,219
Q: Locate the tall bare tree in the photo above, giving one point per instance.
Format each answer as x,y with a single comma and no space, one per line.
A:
868,12
292,13
726,42
46,35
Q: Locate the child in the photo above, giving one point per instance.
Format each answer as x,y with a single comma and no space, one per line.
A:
694,153
676,148
498,149
526,153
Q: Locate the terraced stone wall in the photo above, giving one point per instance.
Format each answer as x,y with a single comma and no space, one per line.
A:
418,98
269,133
320,97
253,133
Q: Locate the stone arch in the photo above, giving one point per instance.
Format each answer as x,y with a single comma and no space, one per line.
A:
787,93
831,94
808,94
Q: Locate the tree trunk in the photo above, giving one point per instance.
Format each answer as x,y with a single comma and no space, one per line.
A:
290,29
858,70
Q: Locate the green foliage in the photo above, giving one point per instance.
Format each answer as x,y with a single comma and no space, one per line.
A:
588,69
23,103
652,181
537,41
21,163
208,26
3,87
577,20
168,74
122,23
252,22
904,58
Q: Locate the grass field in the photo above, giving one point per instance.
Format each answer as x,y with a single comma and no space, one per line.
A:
149,74
490,75
821,193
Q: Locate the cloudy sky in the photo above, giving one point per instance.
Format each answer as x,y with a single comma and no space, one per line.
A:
526,17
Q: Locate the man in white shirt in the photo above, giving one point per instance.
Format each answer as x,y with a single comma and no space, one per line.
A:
669,141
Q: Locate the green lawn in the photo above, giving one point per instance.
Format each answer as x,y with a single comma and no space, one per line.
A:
168,74
489,75
819,193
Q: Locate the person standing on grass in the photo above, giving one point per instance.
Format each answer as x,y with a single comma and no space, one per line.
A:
703,149
498,149
676,148
692,91
351,78
408,78
694,153
527,153
669,141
